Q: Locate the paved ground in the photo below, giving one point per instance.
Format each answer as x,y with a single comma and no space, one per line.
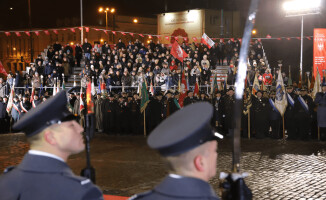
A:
125,165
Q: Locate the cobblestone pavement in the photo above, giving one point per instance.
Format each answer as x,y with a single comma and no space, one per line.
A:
125,165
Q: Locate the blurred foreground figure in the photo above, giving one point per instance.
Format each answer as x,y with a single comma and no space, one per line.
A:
188,144
43,173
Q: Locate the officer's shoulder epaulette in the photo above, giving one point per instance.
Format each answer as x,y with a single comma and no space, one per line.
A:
137,196
8,169
79,179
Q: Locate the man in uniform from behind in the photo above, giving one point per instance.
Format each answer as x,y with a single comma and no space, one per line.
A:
43,173
320,100
189,145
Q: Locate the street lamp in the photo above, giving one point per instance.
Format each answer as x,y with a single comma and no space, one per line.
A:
106,11
254,31
135,20
295,8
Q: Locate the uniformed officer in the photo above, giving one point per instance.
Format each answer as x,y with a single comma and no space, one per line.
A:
228,105
188,145
289,113
109,110
303,114
275,117
260,115
190,99
43,173
320,100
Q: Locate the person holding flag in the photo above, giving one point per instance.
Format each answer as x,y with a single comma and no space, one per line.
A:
290,125
274,117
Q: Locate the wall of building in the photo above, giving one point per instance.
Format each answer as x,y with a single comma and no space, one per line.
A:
194,23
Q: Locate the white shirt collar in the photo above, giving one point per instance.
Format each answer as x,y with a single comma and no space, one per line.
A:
42,153
175,176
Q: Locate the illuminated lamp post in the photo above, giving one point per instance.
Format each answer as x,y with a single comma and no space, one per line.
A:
296,8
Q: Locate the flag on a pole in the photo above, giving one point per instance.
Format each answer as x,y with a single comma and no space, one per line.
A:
281,101
178,52
317,87
89,102
183,89
290,79
58,86
32,95
63,84
300,81
263,86
2,69
93,87
206,40
81,102
196,90
255,86
214,86
11,99
151,88
144,97
54,87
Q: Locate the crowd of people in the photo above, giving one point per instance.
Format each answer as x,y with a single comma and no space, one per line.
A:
124,65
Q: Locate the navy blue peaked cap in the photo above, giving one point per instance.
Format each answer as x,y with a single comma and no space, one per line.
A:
184,130
52,111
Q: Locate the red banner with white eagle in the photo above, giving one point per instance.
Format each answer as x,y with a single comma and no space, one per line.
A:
178,52
319,50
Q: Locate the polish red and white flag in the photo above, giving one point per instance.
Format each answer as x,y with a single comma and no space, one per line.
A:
206,40
178,52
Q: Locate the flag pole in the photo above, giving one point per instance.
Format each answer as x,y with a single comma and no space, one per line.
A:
283,128
249,123
318,133
144,123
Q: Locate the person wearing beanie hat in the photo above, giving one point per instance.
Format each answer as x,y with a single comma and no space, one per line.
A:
43,173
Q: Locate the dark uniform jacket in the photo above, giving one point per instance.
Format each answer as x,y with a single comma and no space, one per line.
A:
320,100
178,189
41,177
188,101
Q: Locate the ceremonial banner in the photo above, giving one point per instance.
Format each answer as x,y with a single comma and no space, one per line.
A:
255,86
144,97
280,98
319,50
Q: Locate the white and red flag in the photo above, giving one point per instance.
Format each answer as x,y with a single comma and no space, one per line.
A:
81,102
2,69
206,40
183,89
178,52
